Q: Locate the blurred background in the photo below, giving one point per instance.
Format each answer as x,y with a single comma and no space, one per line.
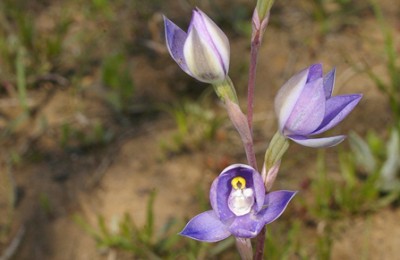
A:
108,148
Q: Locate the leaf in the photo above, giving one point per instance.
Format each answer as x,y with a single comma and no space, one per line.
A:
362,152
390,169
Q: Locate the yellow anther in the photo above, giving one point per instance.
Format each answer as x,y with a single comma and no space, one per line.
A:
238,183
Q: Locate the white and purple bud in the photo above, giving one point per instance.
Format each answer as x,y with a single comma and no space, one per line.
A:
203,52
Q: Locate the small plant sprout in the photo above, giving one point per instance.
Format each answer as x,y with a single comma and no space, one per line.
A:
241,198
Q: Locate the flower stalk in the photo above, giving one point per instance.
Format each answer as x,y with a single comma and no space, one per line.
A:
259,24
244,247
258,29
226,92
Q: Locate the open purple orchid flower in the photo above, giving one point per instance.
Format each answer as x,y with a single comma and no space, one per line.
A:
240,206
203,52
305,107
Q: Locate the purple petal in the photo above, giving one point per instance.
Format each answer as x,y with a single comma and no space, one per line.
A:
309,110
248,226
206,227
315,72
222,187
259,189
337,108
275,204
213,196
318,142
175,39
329,82
287,97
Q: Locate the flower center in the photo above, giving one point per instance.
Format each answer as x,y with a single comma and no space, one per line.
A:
241,198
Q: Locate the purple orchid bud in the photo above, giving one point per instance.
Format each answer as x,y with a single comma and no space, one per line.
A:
305,107
202,52
240,206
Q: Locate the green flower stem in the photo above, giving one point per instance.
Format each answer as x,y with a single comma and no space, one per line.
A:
226,91
259,24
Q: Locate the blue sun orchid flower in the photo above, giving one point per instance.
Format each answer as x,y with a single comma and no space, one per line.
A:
305,107
240,206
203,52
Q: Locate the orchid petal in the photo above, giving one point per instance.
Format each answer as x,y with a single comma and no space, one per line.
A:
308,111
175,39
337,108
247,226
315,72
259,190
222,187
287,96
206,227
214,35
214,198
275,204
318,142
329,82
219,194
201,58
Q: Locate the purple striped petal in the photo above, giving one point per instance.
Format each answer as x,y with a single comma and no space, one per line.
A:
329,82
175,39
201,59
214,35
206,49
309,110
206,227
337,108
318,142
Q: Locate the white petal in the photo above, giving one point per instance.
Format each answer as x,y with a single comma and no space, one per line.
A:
219,39
287,96
203,63
318,142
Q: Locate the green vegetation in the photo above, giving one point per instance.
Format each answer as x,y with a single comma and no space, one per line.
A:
195,125
148,243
